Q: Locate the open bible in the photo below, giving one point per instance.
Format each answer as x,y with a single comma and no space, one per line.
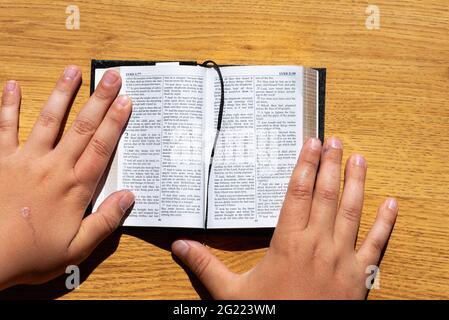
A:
164,155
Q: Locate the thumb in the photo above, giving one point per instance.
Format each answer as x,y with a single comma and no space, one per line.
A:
98,225
215,276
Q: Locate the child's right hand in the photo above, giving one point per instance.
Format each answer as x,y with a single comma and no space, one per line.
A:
46,186
312,254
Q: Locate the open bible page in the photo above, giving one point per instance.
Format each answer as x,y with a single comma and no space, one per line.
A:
160,154
258,145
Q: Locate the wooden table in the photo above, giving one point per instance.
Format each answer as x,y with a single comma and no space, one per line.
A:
387,98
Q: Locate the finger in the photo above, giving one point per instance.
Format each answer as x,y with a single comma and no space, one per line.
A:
86,123
98,225
9,118
216,277
298,199
374,243
48,124
95,158
327,187
351,205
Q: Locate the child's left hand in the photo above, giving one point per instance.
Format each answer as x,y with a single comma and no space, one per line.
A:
46,186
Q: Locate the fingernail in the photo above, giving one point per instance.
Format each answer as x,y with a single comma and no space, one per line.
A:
335,143
315,144
359,160
10,85
110,77
126,201
392,204
70,73
123,100
180,248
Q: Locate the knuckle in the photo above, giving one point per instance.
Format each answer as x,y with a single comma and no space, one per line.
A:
200,263
288,248
75,257
322,255
310,163
388,220
333,155
84,127
356,174
109,222
301,190
115,118
48,120
350,213
75,179
81,181
316,252
102,93
337,264
62,88
9,102
6,125
376,246
100,147
328,194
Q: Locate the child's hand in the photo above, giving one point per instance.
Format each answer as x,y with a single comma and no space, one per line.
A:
46,186
312,253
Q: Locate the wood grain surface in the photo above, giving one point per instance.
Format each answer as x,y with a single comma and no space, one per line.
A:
387,98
